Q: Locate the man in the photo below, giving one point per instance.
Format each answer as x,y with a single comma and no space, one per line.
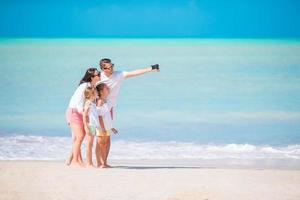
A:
113,79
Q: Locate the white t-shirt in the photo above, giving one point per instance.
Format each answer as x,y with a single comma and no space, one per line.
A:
104,112
77,100
114,83
93,114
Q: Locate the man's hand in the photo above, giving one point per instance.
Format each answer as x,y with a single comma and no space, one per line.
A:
155,67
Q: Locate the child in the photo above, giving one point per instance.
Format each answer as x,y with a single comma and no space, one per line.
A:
105,120
90,122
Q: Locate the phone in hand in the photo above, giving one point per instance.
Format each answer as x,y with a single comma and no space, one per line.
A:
155,66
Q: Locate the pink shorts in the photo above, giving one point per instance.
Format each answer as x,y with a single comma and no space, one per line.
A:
73,116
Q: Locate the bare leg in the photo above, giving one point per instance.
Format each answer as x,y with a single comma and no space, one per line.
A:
107,146
102,145
80,158
98,152
70,157
89,149
79,133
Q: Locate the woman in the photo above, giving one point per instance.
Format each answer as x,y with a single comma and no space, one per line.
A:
74,114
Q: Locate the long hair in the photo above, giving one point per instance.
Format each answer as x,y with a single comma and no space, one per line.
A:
88,75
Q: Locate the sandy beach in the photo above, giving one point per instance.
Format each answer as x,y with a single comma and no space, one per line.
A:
52,180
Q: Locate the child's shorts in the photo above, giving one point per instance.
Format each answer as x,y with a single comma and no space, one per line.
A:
101,133
93,130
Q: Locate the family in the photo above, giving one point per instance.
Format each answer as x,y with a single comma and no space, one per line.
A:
90,111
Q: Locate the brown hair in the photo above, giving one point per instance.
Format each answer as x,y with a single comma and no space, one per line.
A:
104,60
99,88
88,75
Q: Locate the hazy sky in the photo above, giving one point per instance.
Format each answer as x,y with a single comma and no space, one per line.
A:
155,18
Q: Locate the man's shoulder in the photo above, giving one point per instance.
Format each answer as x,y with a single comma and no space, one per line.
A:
118,74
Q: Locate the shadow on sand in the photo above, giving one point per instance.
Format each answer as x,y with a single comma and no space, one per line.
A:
161,167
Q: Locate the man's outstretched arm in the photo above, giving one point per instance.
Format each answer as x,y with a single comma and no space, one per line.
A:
141,71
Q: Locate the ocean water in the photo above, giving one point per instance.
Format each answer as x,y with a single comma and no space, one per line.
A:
212,99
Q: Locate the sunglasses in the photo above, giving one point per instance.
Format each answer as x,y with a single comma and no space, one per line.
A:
112,65
97,75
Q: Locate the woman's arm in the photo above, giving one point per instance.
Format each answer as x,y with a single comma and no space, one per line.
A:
79,98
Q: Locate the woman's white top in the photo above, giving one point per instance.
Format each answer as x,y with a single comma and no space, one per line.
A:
77,100
104,112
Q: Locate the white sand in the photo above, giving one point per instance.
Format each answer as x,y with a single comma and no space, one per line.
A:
52,180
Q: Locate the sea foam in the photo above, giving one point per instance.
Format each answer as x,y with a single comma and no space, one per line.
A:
29,147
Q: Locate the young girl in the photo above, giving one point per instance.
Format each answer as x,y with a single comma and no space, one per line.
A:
90,122
103,109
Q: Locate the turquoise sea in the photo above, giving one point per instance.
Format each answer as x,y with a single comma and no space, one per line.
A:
213,98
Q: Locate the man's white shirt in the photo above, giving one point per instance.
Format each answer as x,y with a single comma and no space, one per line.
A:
114,83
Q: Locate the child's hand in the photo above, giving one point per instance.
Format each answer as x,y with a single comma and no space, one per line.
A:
86,129
115,131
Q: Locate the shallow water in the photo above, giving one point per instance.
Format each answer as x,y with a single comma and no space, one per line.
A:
219,92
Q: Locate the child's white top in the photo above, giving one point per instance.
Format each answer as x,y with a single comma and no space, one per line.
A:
93,114
78,99
114,83
104,112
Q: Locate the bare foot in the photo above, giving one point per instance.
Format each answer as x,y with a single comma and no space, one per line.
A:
107,166
68,161
76,164
90,166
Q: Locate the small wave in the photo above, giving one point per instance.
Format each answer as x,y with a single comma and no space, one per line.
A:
22,147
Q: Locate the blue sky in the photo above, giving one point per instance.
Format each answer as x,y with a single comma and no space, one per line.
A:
155,18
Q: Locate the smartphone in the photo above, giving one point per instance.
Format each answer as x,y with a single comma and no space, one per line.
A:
155,66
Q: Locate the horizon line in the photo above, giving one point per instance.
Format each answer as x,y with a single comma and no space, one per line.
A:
159,38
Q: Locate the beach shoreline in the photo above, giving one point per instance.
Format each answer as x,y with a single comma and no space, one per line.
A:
226,163
54,180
